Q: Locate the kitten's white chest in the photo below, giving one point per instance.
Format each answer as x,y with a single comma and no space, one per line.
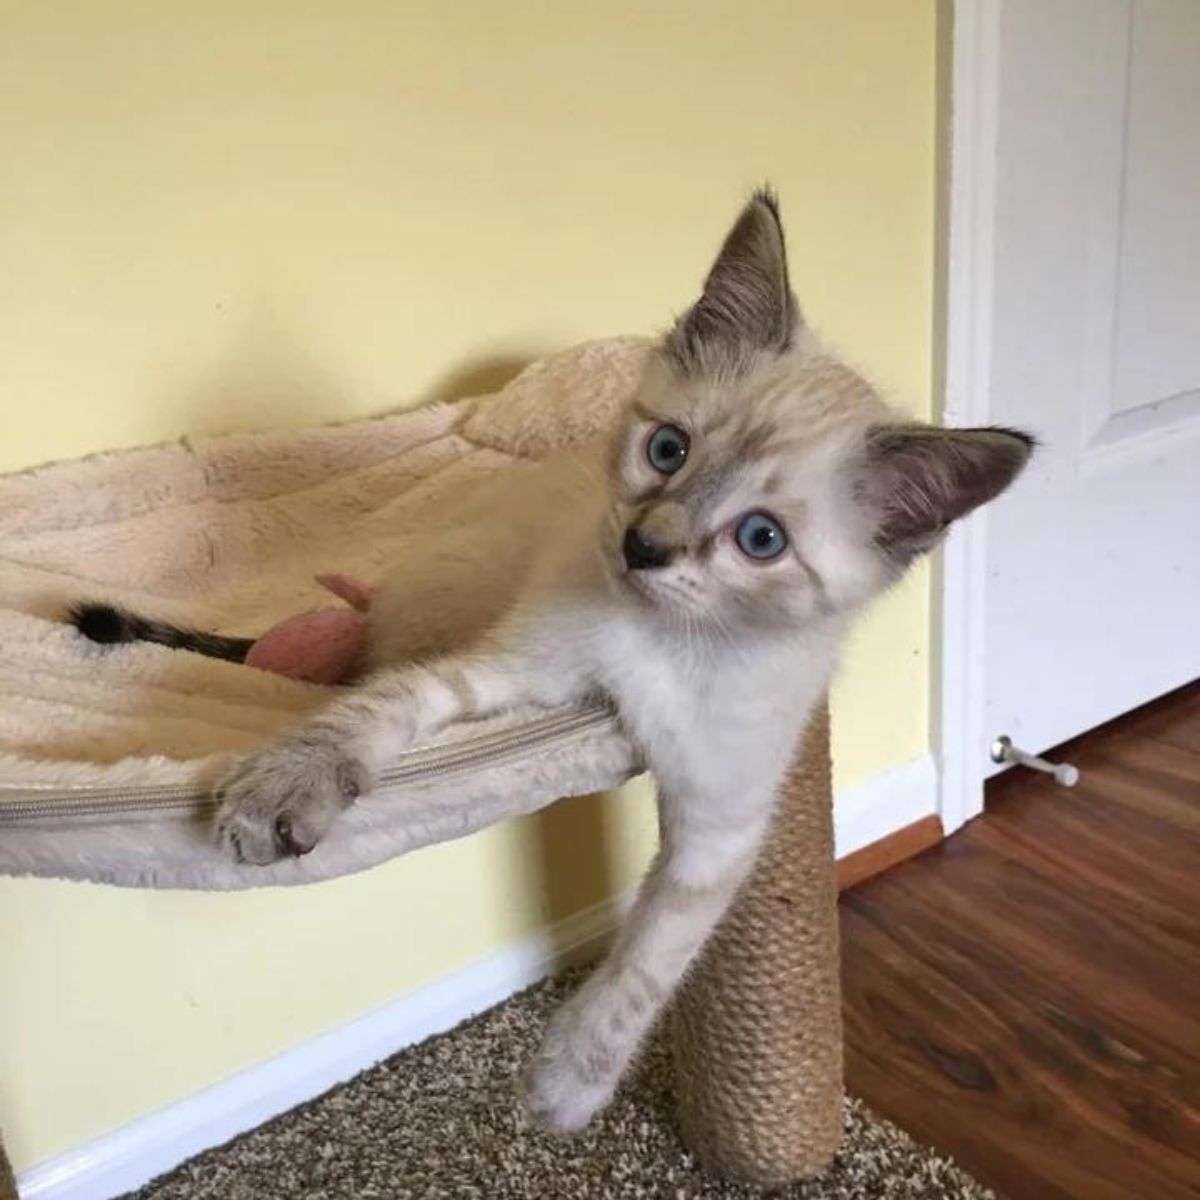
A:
698,718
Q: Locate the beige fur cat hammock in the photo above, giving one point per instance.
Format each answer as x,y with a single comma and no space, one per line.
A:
107,756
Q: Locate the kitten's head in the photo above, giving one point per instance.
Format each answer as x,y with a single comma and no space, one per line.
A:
759,482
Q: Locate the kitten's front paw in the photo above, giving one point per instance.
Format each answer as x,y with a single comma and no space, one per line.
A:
565,1088
280,802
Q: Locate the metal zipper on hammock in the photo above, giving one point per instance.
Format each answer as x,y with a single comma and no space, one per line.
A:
26,803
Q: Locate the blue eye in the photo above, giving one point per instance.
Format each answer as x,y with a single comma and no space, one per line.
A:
760,536
667,449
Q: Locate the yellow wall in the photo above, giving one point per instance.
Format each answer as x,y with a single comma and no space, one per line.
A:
240,213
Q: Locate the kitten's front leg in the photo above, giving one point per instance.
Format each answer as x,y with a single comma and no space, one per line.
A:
592,1038
282,800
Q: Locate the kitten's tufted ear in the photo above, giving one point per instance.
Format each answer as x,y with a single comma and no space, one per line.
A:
916,479
747,304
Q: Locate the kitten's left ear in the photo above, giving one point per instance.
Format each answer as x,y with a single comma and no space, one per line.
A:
916,479
747,304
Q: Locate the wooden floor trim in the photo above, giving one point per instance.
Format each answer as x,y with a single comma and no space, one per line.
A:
887,852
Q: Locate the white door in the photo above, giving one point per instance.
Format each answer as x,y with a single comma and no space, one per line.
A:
1090,596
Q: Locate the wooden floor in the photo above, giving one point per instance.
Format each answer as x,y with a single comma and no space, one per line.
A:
1026,996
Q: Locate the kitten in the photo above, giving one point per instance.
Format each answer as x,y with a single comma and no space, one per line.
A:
699,571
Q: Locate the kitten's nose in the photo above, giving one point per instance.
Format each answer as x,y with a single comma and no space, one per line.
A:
641,553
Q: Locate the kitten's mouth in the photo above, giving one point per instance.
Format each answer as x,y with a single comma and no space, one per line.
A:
637,583
640,583
618,571
655,592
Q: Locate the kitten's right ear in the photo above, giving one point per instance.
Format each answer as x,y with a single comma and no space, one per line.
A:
747,304
916,479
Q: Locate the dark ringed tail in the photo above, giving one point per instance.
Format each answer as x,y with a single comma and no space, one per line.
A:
107,624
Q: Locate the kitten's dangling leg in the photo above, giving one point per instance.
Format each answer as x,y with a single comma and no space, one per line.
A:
592,1038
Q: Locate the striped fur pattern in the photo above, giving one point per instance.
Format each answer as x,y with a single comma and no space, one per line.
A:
109,625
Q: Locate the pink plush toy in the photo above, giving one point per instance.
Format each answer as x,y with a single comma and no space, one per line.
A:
321,646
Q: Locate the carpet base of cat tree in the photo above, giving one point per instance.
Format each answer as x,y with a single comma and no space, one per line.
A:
757,1027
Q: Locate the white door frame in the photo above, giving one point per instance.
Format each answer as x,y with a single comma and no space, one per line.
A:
960,739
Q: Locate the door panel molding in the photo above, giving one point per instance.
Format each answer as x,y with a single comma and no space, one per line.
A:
1113,415
960,571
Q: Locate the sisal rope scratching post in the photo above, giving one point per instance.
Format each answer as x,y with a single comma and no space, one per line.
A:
757,1026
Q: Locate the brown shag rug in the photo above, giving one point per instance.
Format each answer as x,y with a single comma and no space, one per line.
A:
442,1120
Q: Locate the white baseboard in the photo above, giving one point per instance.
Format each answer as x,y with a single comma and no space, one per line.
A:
872,810
130,1156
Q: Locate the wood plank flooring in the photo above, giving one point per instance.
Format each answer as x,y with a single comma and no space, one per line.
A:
1026,996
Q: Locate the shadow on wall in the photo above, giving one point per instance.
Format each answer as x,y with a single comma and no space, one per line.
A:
478,377
575,867
269,372
264,371
8,1185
